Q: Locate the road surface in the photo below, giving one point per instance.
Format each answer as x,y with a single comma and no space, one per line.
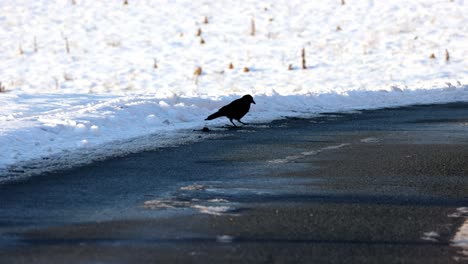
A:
386,186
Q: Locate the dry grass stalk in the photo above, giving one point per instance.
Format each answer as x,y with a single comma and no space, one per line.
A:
432,56
252,26
67,77
304,66
343,2
198,71
20,49
199,31
57,84
197,74
35,44
246,69
231,66
67,46
155,63
338,28
290,67
2,88
125,2
205,20
447,56
202,41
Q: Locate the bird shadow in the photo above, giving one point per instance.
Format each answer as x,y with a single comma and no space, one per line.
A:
230,127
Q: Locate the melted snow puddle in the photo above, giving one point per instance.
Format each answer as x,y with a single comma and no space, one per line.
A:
460,239
210,207
205,206
306,153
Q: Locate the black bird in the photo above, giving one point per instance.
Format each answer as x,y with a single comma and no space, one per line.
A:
235,110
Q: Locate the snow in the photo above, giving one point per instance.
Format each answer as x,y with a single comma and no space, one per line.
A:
88,79
460,239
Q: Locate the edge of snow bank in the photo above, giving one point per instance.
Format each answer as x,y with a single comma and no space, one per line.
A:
130,116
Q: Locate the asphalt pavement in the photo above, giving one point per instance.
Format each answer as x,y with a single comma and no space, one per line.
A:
386,186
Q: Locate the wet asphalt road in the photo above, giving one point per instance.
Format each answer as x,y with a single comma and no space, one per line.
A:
385,186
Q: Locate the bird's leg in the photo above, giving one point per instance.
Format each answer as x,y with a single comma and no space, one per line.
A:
232,122
241,122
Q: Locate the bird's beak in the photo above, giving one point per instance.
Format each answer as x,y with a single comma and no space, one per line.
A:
253,101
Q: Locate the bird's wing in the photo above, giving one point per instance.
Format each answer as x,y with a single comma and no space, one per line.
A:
229,107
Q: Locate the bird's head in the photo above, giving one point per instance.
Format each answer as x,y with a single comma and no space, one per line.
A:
248,98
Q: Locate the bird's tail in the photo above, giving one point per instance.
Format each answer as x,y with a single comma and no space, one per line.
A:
213,116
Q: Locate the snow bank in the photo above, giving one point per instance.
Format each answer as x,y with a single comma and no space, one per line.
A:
82,75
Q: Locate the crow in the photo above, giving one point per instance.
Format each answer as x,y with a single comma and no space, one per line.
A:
235,110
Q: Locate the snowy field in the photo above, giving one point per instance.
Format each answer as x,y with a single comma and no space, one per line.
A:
86,79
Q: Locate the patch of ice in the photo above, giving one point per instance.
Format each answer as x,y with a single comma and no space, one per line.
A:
213,210
286,160
461,212
165,204
224,239
308,153
218,200
200,205
334,147
305,154
370,140
193,187
430,236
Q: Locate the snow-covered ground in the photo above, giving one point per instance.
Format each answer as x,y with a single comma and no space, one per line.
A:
86,79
